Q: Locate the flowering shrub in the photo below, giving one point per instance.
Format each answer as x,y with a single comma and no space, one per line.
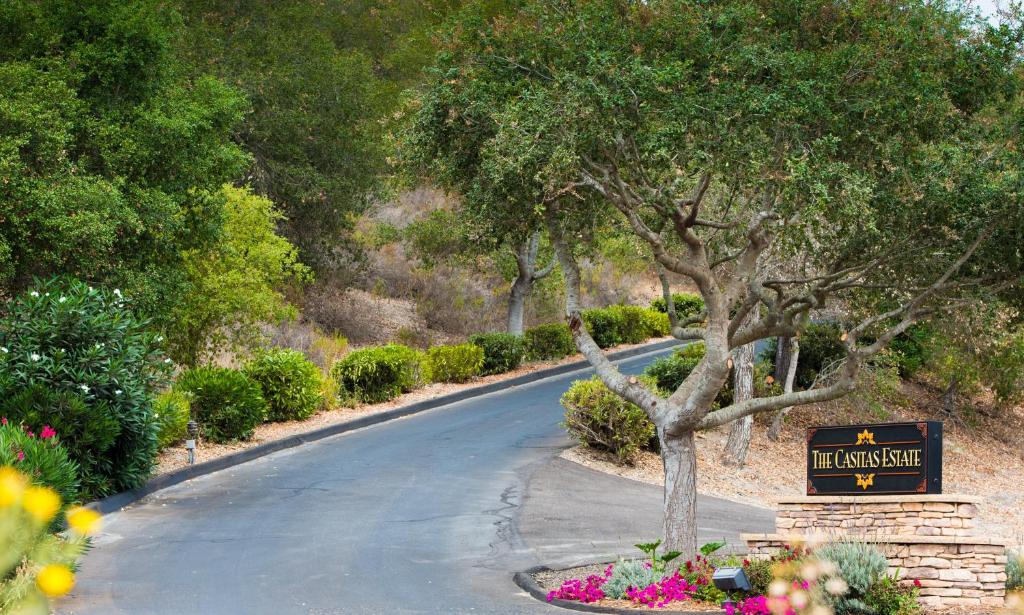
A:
673,588
39,457
69,339
754,605
588,590
36,565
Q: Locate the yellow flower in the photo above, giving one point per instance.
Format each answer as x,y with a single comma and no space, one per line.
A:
83,520
55,580
42,502
12,485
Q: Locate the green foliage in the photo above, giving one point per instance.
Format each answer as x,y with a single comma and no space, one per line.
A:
503,352
598,418
656,323
820,347
549,341
604,325
43,460
376,374
289,382
109,156
1014,570
888,597
171,411
859,564
225,402
659,563
634,325
102,365
670,372
687,305
236,283
760,573
627,574
455,363
910,348
708,548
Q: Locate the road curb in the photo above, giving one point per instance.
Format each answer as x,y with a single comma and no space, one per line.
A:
120,500
527,583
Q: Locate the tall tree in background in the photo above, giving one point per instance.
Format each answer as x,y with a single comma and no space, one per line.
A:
111,158
761,137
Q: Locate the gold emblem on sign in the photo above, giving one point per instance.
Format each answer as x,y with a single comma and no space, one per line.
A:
865,437
865,480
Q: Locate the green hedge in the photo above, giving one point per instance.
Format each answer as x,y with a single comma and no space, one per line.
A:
171,411
225,402
289,382
633,324
598,418
687,304
550,341
454,363
657,323
379,373
605,325
503,352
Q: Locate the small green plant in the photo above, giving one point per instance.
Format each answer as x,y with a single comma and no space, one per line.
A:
599,418
687,305
888,597
1014,570
861,566
503,352
379,373
225,402
605,325
550,341
40,457
171,411
627,574
714,546
289,382
455,363
659,563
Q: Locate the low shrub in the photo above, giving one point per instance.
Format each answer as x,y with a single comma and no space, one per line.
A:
605,325
861,566
503,352
456,363
687,305
290,384
820,346
549,341
633,326
910,348
171,411
40,457
379,373
599,418
225,402
627,574
656,323
1014,570
70,338
669,372
888,597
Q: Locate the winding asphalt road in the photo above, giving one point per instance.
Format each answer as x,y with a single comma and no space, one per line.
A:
427,514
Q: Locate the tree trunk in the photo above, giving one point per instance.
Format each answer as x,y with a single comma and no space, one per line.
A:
679,454
736,448
949,397
782,358
517,303
775,431
528,274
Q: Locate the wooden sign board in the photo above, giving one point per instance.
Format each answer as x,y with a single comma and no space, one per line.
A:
880,459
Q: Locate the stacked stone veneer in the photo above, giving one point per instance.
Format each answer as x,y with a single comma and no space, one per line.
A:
925,537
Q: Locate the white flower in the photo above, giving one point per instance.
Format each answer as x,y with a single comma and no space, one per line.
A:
118,392
156,415
34,294
159,338
117,292
62,299
4,350
34,357
168,361
84,388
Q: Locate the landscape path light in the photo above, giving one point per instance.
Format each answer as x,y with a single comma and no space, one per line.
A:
190,443
730,579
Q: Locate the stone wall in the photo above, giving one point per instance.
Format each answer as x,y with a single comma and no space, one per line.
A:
918,515
928,538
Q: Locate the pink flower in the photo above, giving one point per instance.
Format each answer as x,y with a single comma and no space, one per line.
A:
917,583
21,455
3,421
47,433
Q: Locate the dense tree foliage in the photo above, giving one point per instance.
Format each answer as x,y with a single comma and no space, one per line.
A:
110,158
785,156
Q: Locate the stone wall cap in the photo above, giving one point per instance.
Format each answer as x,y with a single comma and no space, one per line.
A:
945,498
876,538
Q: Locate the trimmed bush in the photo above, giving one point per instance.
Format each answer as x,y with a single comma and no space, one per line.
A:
290,384
225,402
861,566
72,339
687,304
40,457
455,363
670,372
379,373
171,412
550,341
604,325
503,352
656,323
633,326
599,418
